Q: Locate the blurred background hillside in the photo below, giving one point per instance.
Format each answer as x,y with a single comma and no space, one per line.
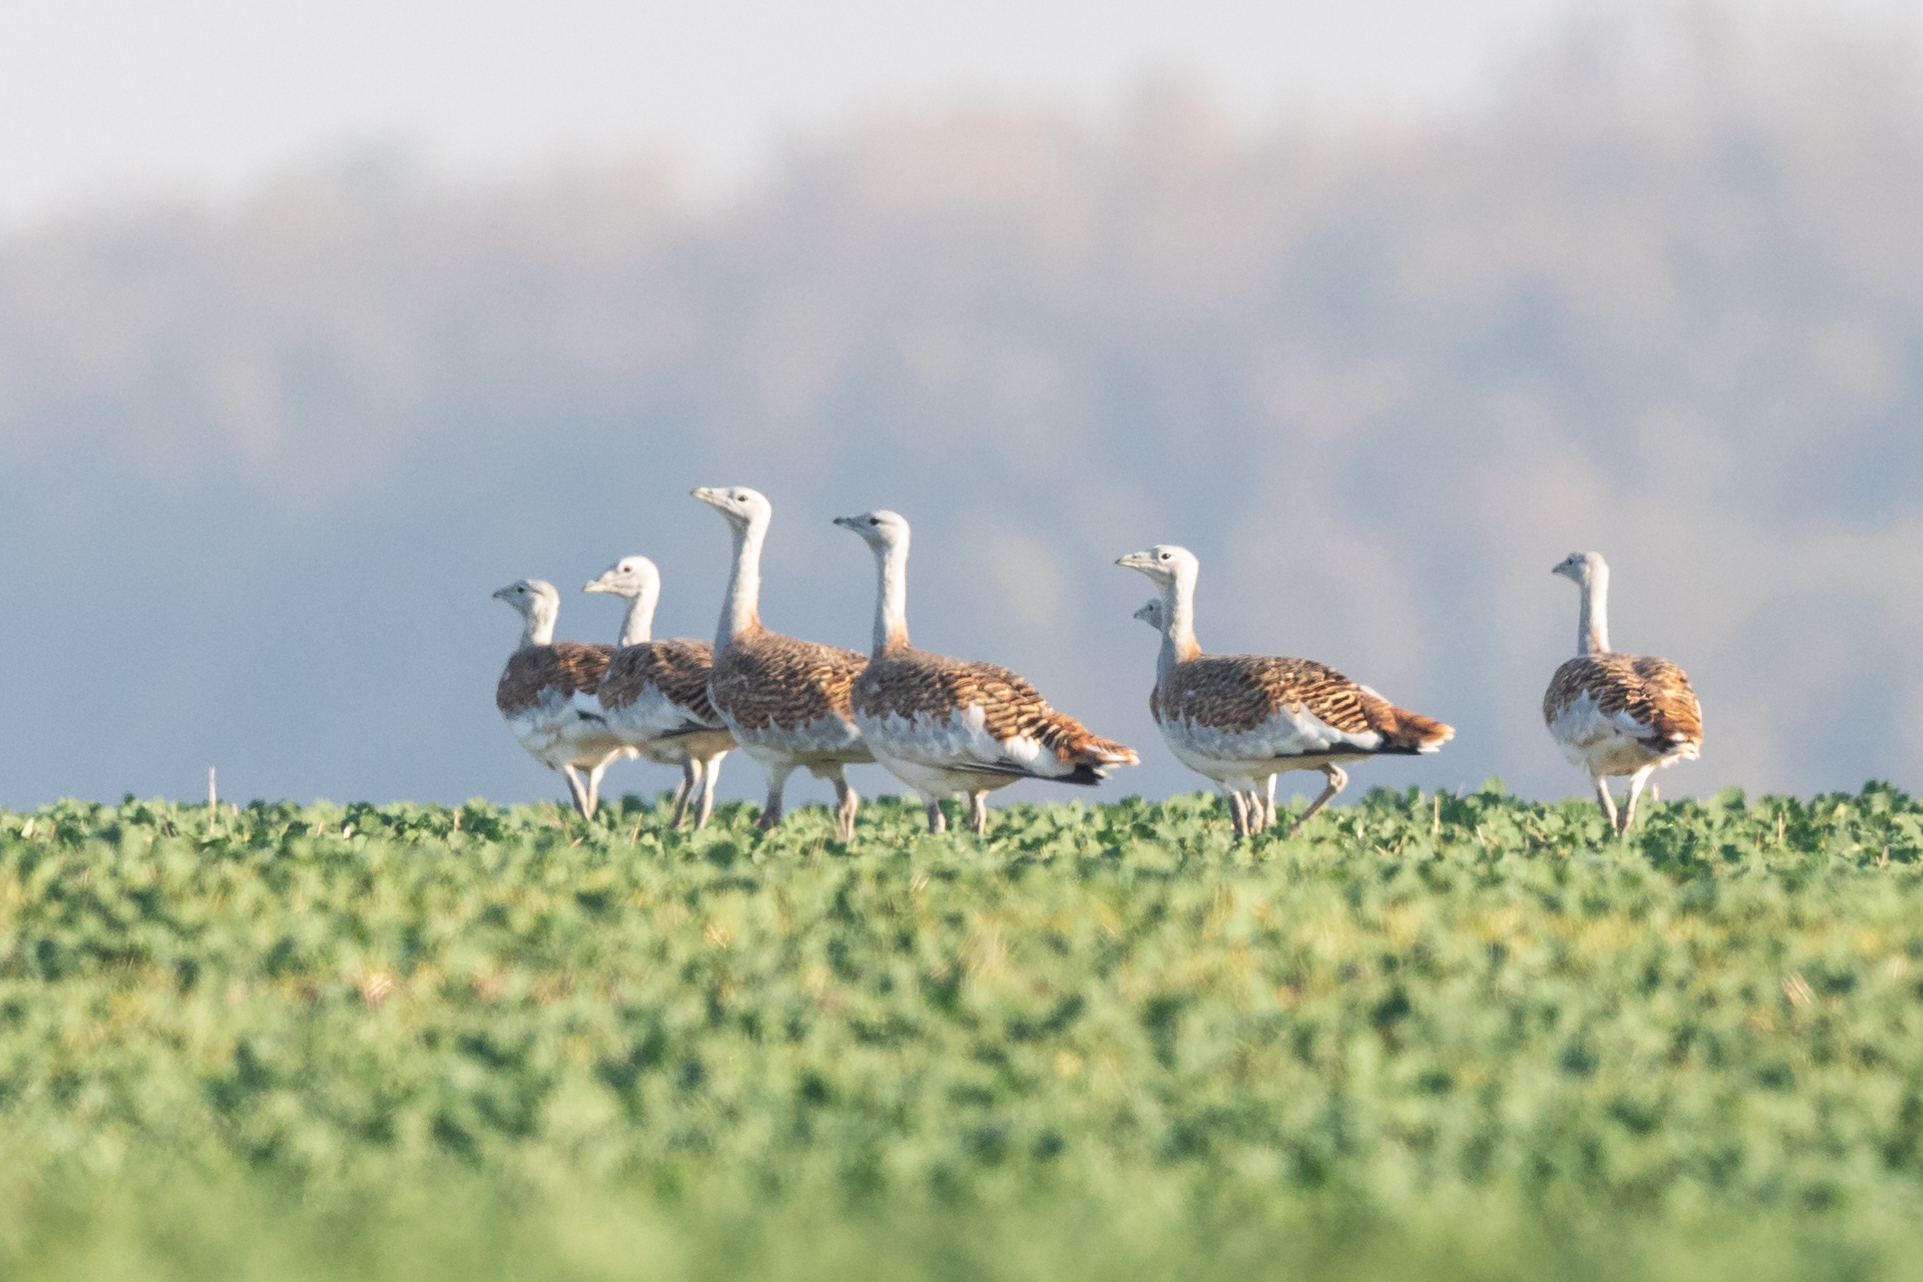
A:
1659,292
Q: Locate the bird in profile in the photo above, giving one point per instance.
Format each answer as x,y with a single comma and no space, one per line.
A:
1617,714
547,694
948,727
786,701
654,694
1260,806
1240,718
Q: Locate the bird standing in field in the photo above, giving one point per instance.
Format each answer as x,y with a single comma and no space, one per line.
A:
654,694
952,726
1617,714
1240,718
1260,805
786,701
547,694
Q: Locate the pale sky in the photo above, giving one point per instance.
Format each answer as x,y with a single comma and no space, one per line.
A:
99,98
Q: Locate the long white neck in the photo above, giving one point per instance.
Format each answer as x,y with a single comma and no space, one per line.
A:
638,627
891,598
741,610
1592,626
539,629
1178,632
1165,654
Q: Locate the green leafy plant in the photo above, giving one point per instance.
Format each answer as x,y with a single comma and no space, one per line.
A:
1421,1003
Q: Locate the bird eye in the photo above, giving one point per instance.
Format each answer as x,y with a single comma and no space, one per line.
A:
1165,556
874,520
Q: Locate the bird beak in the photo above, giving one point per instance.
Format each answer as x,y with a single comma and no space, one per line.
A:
849,523
1136,561
500,594
706,495
597,585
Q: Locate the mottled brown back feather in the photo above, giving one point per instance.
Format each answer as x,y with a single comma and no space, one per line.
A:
914,682
1242,691
766,678
678,668
1654,692
570,667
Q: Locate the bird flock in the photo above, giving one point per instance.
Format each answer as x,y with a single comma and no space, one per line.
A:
948,727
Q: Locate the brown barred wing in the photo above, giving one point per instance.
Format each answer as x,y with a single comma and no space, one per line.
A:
566,667
1241,693
769,679
678,669
916,684
1641,692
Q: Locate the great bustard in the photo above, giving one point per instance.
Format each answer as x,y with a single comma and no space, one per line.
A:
1617,714
785,700
1239,718
654,694
547,694
948,726
1260,805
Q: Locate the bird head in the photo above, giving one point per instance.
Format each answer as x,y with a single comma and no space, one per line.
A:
527,596
630,577
740,506
1165,564
881,530
538,604
1581,567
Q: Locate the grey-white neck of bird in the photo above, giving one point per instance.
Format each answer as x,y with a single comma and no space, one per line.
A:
538,626
740,611
1164,659
1178,632
1592,626
891,599
638,627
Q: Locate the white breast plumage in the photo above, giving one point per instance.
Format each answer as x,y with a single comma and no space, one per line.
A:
785,700
654,693
947,726
546,695
1242,719
1616,714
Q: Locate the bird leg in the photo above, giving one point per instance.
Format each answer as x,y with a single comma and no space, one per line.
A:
712,772
577,790
594,789
1252,807
1261,808
1338,780
690,780
1608,803
1636,782
937,821
771,811
847,801
1268,803
1238,812
978,813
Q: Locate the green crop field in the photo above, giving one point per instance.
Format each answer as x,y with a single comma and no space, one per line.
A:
1433,1036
